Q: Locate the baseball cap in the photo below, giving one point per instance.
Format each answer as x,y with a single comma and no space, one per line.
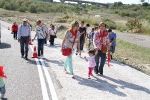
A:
25,20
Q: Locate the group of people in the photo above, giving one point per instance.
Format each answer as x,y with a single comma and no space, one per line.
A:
102,40
43,33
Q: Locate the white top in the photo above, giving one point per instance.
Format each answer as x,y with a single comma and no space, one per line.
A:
91,61
52,32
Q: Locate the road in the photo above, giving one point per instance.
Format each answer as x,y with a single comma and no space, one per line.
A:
44,79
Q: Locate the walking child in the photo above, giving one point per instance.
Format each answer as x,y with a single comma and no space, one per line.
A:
91,62
2,84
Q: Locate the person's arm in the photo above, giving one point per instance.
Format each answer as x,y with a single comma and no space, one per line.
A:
63,42
29,33
108,44
94,42
19,33
85,58
35,35
78,44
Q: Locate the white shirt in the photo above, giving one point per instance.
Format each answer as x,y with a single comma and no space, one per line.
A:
91,61
52,32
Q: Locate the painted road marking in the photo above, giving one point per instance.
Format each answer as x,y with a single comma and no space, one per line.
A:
49,80
42,80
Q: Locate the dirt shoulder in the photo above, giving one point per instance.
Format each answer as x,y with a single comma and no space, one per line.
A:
140,40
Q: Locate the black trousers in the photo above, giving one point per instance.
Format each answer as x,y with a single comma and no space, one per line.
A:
102,63
15,35
24,45
52,38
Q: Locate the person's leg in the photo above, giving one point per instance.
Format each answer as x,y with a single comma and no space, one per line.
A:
39,48
66,64
97,62
26,47
42,45
14,35
92,71
46,40
51,37
70,63
3,91
102,63
53,40
81,47
89,72
22,46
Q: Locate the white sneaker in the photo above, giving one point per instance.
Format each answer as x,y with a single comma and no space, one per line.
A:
76,53
66,71
80,56
2,96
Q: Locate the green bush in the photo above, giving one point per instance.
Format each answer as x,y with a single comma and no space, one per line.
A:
33,8
22,9
7,6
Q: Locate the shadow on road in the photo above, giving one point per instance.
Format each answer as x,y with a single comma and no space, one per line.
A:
100,85
4,46
105,86
128,85
55,46
59,63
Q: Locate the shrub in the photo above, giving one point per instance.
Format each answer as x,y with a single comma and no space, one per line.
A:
22,9
33,8
134,24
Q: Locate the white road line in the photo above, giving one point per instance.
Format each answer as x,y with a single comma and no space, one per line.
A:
49,80
42,80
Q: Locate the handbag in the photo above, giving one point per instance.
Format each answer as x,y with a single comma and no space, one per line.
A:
104,49
68,51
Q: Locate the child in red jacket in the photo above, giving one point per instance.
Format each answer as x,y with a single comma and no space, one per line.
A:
15,30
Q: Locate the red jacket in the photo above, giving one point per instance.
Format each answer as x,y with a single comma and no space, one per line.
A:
14,28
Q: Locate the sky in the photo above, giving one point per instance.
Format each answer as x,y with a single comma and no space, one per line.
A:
112,1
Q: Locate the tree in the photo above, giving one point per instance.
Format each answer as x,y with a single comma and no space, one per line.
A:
33,8
145,4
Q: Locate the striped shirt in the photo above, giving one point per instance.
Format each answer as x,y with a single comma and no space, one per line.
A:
70,39
41,32
24,31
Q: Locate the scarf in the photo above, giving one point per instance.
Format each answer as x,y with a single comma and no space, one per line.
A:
74,33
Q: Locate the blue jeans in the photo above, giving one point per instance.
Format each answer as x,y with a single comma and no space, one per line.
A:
3,90
40,46
102,63
68,63
24,44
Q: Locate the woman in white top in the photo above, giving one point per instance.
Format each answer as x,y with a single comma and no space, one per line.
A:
52,32
68,42
41,34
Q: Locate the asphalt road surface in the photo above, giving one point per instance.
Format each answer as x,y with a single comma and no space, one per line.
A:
45,79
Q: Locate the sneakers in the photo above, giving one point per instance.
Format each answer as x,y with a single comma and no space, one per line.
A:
65,71
76,53
2,96
80,55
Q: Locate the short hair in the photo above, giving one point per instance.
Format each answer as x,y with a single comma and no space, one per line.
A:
92,52
38,22
96,27
82,22
74,23
103,23
93,29
109,30
88,25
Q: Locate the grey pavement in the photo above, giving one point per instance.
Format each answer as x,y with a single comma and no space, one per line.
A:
120,82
